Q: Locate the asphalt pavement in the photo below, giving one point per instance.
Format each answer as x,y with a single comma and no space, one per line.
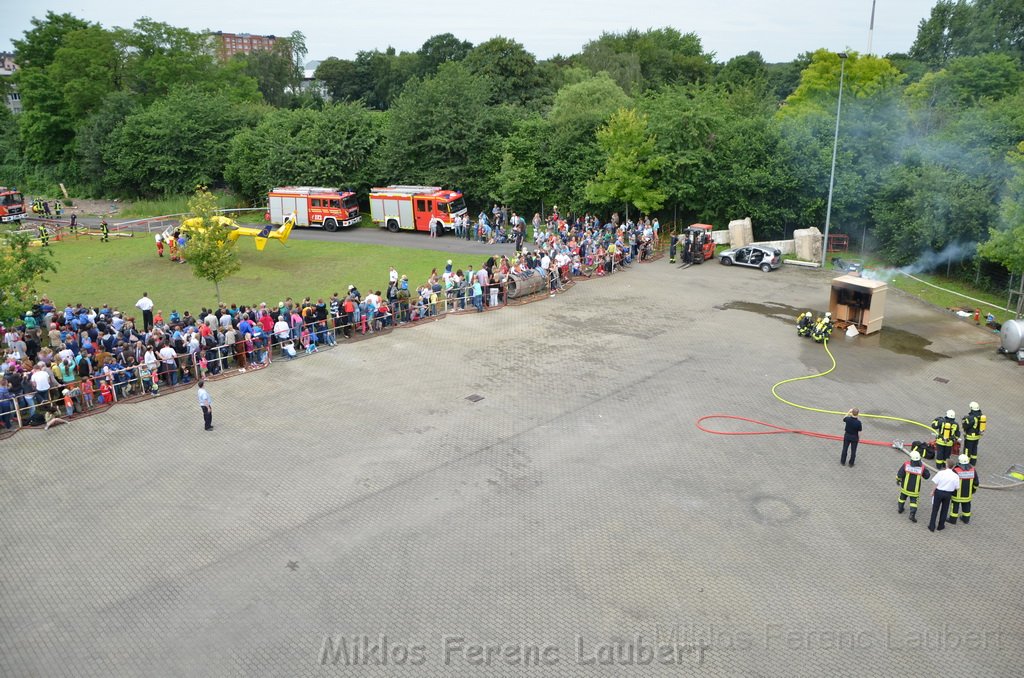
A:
525,491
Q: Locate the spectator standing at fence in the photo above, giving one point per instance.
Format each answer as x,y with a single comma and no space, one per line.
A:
206,405
145,304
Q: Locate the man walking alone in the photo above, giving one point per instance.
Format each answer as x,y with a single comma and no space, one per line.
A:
206,404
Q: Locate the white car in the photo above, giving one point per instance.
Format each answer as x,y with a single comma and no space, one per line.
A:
765,258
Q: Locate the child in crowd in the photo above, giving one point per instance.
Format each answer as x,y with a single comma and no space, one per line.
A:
87,393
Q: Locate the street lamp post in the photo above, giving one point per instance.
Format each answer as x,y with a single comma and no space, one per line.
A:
835,148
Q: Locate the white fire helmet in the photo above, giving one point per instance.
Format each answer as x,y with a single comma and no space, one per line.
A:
828,315
963,459
974,407
915,456
951,414
808,314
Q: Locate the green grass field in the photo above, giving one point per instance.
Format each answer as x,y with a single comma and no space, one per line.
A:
118,272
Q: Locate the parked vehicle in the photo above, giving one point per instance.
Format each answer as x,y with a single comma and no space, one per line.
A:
12,205
328,208
758,256
416,208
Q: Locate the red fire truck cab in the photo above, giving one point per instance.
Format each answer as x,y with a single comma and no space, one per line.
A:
415,208
12,205
328,208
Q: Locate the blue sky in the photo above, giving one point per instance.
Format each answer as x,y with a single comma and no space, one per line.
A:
780,30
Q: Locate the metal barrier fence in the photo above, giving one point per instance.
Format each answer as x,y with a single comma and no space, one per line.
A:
100,391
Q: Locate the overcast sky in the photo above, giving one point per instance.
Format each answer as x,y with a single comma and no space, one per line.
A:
779,29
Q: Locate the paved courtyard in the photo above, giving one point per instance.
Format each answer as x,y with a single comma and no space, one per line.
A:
355,514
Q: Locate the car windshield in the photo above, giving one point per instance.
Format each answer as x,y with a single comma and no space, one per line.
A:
456,206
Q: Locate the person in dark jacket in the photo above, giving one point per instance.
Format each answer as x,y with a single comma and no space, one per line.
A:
851,436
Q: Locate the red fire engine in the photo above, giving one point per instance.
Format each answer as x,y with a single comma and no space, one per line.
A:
415,208
314,206
12,205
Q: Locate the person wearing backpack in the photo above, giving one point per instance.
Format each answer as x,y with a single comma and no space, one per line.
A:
974,425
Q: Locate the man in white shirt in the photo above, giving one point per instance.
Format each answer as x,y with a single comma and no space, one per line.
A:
170,365
145,304
206,404
946,482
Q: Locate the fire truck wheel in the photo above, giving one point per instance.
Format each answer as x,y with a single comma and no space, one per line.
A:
393,225
330,225
440,229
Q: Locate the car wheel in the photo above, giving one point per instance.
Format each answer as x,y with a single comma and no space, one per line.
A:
767,268
726,261
330,225
393,225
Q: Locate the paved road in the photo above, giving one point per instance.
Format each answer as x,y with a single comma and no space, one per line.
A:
373,236
358,496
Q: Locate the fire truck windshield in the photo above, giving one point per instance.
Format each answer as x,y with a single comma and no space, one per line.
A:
9,199
350,202
455,206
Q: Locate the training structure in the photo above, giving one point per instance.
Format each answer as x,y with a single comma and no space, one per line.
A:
858,302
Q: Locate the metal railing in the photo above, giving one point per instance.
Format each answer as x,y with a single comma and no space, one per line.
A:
98,392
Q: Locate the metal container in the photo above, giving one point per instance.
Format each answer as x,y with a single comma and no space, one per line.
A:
525,283
1012,336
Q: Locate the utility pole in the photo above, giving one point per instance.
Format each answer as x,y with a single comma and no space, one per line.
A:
871,26
835,147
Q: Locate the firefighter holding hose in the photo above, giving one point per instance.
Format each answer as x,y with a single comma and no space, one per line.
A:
947,433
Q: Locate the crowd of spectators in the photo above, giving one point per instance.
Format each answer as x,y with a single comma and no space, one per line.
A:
60,362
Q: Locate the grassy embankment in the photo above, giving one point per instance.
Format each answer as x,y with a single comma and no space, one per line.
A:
119,272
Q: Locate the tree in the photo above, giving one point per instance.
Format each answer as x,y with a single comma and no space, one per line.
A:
510,68
967,80
329,147
642,61
521,179
21,268
630,161
209,252
273,71
40,44
957,28
177,142
340,77
86,69
440,49
442,132
744,71
1006,243
47,125
573,155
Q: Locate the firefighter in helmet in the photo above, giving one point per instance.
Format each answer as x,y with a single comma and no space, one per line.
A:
974,425
44,236
105,230
804,324
960,502
823,329
947,433
909,479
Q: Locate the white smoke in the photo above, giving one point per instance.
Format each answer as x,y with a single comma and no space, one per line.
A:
928,260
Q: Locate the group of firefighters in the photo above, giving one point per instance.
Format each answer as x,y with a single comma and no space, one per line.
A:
961,479
819,329
954,487
104,233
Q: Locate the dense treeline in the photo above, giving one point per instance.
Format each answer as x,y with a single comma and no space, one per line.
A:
928,153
